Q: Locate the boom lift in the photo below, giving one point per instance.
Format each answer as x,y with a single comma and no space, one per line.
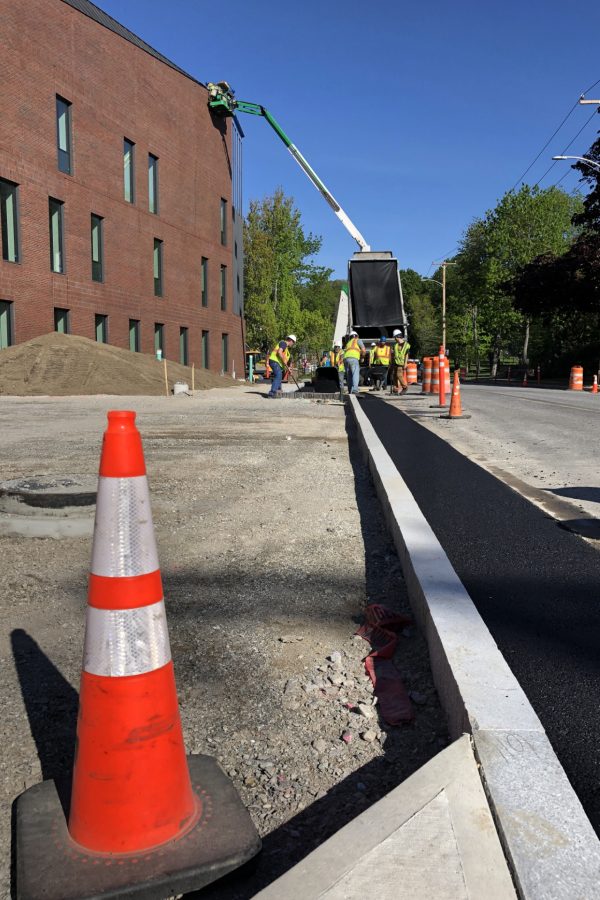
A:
374,303
222,102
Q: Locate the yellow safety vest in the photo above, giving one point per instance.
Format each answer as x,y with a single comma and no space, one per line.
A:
274,357
339,360
401,353
381,355
352,350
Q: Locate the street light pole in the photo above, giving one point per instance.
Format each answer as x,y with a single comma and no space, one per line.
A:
583,159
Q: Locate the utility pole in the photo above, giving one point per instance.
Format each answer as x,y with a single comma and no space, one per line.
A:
444,264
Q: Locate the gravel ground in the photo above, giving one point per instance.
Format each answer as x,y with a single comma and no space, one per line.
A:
271,541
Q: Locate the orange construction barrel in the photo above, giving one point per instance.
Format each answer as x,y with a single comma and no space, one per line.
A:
426,386
411,372
576,378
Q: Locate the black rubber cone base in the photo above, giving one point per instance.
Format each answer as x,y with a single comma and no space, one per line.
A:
50,866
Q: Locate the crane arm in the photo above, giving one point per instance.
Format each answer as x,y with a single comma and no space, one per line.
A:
223,102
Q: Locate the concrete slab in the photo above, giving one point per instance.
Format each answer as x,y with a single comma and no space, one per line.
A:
552,848
433,835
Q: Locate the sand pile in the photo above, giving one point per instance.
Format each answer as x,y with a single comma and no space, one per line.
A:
64,364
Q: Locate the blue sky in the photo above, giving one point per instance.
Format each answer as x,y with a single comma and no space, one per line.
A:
417,116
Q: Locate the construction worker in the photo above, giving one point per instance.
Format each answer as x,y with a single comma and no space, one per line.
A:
339,364
354,351
279,361
399,359
380,362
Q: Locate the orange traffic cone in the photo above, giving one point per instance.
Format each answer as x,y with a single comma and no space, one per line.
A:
525,379
166,821
456,411
595,385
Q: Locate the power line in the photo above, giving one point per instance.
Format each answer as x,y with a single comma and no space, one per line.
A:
587,90
585,124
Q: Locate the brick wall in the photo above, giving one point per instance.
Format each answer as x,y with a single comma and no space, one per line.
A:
117,90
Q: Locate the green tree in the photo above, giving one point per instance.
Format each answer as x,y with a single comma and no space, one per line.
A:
284,291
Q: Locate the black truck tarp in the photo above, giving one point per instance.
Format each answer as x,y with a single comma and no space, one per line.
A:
374,292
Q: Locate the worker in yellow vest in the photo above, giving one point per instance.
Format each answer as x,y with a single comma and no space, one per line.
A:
380,362
338,362
400,353
279,362
353,352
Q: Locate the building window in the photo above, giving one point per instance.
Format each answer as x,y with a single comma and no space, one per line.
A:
63,134
225,352
224,222
183,346
204,281
235,249
128,170
158,268
57,257
134,335
97,249
9,222
153,183
62,320
159,338
223,288
205,351
6,324
101,325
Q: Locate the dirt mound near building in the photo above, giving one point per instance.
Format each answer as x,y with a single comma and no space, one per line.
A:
65,364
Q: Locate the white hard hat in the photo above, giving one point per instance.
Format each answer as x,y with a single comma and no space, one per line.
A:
353,334
397,332
336,345
291,337
373,343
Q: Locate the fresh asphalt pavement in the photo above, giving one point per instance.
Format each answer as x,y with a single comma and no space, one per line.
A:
536,585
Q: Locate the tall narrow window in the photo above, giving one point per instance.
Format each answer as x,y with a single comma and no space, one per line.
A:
153,183
183,346
9,223
205,351
134,335
223,288
97,249
57,257
159,337
101,324
6,324
158,268
62,320
224,222
128,170
63,135
225,352
204,281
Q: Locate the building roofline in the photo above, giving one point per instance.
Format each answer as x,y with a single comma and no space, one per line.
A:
102,18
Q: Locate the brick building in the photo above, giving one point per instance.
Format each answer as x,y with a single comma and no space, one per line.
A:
120,198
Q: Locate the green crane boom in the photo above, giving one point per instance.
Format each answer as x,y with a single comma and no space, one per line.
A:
222,102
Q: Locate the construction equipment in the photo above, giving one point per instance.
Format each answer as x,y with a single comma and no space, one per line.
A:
223,103
373,303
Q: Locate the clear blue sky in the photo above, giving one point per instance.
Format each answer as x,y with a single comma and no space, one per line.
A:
417,116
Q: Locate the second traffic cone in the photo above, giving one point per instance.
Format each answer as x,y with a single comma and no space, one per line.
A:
456,411
144,819
595,385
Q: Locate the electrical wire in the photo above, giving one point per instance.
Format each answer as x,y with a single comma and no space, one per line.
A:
568,115
583,127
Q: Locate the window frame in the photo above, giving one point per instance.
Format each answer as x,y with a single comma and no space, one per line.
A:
223,288
10,189
64,156
158,257
62,309
224,228
153,207
225,352
129,146
137,335
159,332
10,320
204,281
104,323
60,204
99,263
205,349
184,345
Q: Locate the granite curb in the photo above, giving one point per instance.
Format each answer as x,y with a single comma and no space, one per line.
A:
551,847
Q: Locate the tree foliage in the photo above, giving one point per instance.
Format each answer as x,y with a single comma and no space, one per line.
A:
284,291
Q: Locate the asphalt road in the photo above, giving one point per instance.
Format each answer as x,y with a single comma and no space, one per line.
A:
536,585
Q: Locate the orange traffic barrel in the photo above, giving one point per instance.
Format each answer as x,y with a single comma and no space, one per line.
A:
447,377
435,375
411,372
426,386
576,379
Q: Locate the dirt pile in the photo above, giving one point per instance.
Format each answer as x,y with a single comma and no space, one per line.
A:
64,365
